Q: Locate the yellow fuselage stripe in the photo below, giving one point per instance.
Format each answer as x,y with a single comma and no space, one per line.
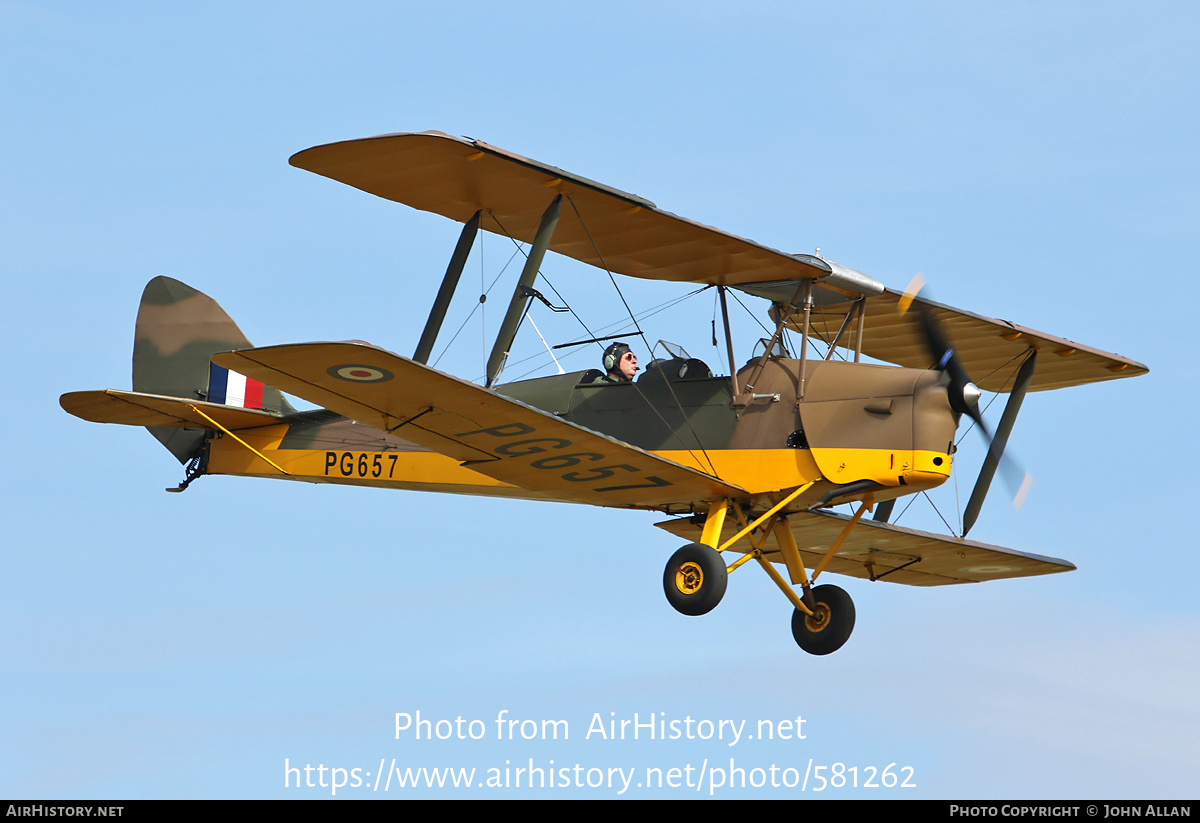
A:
756,470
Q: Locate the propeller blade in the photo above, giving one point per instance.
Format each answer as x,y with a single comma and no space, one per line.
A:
964,395
996,449
964,399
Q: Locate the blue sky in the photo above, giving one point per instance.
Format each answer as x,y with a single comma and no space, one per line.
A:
1035,161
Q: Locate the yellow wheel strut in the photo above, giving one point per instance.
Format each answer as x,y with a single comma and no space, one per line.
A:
714,523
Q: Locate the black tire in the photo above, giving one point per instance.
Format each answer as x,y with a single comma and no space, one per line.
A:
695,579
829,628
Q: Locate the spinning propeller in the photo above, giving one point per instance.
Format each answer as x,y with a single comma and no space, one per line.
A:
964,399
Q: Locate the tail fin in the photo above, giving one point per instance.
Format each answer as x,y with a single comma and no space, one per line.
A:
178,330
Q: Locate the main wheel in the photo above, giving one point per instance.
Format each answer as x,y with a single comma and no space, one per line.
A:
695,579
828,628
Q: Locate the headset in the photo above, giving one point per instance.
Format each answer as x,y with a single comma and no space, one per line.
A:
613,355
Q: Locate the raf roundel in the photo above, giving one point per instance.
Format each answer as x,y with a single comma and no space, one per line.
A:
355,373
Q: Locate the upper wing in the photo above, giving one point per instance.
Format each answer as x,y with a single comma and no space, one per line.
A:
455,177
991,350
881,551
139,409
491,434
624,233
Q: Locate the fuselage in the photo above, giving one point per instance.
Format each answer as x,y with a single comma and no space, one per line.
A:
855,426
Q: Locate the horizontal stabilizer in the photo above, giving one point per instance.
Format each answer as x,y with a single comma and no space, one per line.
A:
131,408
490,434
881,551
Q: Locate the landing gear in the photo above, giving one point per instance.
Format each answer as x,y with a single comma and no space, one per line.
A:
696,576
695,579
829,626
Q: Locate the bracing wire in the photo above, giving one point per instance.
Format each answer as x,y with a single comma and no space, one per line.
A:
479,307
645,341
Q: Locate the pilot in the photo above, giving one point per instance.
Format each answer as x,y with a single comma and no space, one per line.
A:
620,364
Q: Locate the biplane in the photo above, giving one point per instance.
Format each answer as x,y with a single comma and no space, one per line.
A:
746,466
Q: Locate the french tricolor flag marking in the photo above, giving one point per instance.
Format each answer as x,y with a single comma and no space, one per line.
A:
233,389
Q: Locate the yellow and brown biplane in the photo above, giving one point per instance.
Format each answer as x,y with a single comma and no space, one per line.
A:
747,465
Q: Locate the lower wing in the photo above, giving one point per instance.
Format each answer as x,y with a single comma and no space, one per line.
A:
490,434
881,551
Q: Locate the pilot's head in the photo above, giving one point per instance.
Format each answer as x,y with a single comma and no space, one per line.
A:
620,362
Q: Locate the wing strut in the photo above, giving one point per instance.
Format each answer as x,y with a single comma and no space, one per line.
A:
883,512
522,294
449,283
996,450
728,341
